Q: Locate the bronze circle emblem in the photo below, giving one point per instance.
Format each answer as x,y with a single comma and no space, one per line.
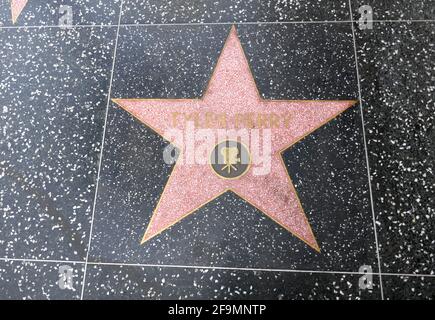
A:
230,159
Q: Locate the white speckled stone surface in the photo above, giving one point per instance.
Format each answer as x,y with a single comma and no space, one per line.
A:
54,98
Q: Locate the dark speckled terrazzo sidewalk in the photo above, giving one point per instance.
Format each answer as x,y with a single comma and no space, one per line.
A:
80,176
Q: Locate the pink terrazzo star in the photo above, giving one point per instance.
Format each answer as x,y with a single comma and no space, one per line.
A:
16,7
232,90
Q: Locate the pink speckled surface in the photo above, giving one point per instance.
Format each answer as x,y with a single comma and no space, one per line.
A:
16,7
232,90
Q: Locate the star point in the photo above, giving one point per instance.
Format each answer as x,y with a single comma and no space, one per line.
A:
17,7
